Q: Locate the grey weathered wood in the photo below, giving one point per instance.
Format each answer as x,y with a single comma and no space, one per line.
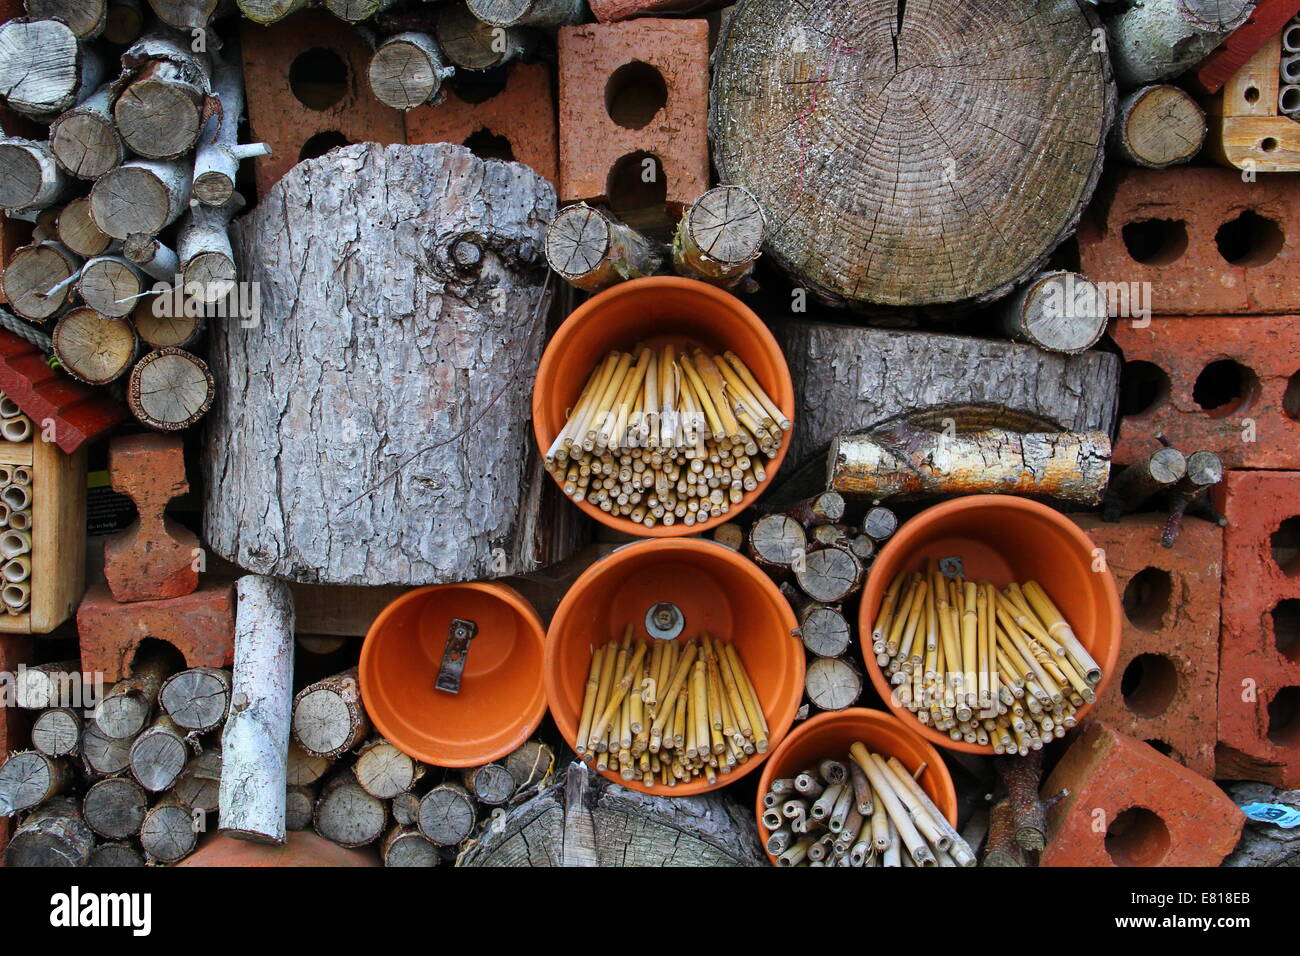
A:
405,457
405,808
160,109
84,140
219,153
43,69
407,70
1264,844
299,803
348,815
168,833
305,768
601,824
159,755
197,698
530,764
199,787
776,542
115,808
471,44
383,771
185,14
115,855
830,575
30,178
849,379
406,846
35,279
934,98
170,389
832,684
269,11
140,196
447,815
354,11
128,705
1058,311
328,716
203,247
592,251
255,740
1157,40
57,732
1158,126
86,18
720,237
47,685
531,13
55,835
28,779
825,629
110,285
491,784
102,755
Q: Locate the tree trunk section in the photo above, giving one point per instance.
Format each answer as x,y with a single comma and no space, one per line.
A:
305,768
490,784
219,153
86,18
832,684
348,815
1158,126
199,787
912,215
43,69
720,237
185,14
528,13
299,805
825,629
849,379
162,105
354,11
102,755
77,230
85,140
1137,483
127,707
140,196
57,732
28,779
410,445
532,763
115,855
168,834
55,835
328,718
115,808
110,285
255,741
582,820
447,815
406,846
197,698
384,772
1058,311
269,11
830,575
591,250
471,44
30,177
35,279
125,21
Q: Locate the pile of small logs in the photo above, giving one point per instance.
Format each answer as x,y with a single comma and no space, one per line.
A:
868,811
356,789
718,240
820,561
130,185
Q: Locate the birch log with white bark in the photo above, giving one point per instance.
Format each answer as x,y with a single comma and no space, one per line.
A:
29,176
203,248
912,154
163,103
219,153
372,428
44,70
55,835
1058,311
1156,40
849,379
84,139
582,820
141,196
255,741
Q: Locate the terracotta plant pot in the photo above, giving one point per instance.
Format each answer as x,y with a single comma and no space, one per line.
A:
1002,539
829,736
657,311
716,590
501,699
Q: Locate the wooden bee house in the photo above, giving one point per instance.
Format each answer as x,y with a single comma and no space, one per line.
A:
1254,121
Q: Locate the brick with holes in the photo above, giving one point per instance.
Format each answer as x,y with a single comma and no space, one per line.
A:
613,78
201,626
306,90
1166,682
1228,384
1129,805
1259,657
1207,242
522,115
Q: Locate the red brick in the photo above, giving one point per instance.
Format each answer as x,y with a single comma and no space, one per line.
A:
14,650
610,11
1264,24
1171,621
200,625
302,848
1198,280
1130,806
523,112
280,119
1259,669
152,559
592,143
1268,350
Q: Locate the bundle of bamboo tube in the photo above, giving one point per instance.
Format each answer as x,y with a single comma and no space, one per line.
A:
665,713
15,538
660,436
869,811
999,668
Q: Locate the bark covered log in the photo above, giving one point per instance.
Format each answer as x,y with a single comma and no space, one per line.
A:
584,821
94,348
197,698
43,68
384,772
406,846
85,140
199,787
407,70
114,855
55,835
29,778
30,177
57,732
471,44
255,740
159,755
140,196
447,815
1157,40
167,833
115,808
591,250
347,815
528,13
912,215
219,152
328,717
102,755
127,707
405,457
1057,311
36,279
720,237
849,379
832,684
163,102
170,389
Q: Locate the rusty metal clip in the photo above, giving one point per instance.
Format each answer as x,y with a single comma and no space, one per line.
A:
454,654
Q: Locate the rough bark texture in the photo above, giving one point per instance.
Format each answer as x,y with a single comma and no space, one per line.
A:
55,835
255,741
1158,39
585,821
849,379
976,127
402,318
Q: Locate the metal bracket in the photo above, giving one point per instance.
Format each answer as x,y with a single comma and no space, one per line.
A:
664,621
952,568
454,654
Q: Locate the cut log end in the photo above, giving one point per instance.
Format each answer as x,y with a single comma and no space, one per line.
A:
349,816
170,389
1060,312
447,815
832,684
94,348
407,71
1159,126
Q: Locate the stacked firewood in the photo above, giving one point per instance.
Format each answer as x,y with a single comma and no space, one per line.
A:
129,181
820,561
356,789
135,777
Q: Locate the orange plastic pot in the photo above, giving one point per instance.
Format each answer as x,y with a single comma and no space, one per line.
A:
657,311
1002,539
501,699
830,735
717,591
